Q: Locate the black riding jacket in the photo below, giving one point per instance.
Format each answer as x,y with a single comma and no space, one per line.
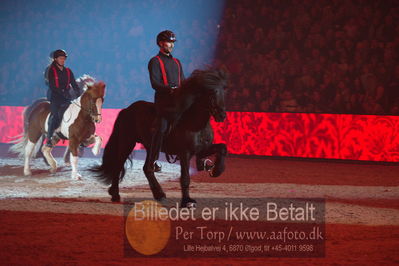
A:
162,91
61,93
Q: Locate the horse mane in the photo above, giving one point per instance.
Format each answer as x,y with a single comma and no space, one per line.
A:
84,81
208,79
96,90
199,82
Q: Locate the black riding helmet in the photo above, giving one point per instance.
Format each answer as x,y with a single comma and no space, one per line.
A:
166,36
58,53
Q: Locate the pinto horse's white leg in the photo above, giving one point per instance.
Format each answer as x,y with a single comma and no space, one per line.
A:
50,159
74,163
30,146
67,157
97,145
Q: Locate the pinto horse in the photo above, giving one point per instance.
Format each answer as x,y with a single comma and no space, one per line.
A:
82,83
199,97
77,126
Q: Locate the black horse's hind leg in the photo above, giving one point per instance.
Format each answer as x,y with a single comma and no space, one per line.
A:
114,190
156,188
185,181
117,176
220,150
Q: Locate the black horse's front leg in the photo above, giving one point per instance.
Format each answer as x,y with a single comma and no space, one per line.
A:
185,181
220,150
155,187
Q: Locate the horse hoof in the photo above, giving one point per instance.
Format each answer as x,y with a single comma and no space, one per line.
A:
189,203
53,170
160,197
157,168
96,150
116,198
67,163
76,176
161,200
216,171
28,173
213,173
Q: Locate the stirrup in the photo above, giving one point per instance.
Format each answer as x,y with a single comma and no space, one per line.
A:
49,143
208,165
154,168
157,168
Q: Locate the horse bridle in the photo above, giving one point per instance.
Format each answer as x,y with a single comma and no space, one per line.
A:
212,107
90,112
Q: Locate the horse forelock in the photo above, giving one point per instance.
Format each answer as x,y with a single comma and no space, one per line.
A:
97,90
84,81
196,91
216,77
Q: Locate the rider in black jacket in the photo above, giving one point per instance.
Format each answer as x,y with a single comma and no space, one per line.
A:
166,74
61,81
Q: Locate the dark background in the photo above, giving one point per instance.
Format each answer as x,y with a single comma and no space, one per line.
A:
335,56
338,56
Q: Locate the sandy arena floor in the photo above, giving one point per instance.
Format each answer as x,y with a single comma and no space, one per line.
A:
51,219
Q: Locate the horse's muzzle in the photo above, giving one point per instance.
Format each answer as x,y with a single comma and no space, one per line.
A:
220,116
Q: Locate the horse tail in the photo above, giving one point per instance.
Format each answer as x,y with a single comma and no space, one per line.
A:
28,112
21,140
19,146
117,150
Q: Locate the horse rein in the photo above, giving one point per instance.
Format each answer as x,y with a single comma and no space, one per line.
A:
87,111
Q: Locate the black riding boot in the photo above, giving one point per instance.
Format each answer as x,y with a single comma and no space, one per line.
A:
153,153
56,112
161,126
50,131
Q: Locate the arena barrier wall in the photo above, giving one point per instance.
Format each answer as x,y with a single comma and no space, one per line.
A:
304,135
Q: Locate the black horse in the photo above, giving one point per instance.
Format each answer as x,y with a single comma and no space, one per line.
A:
200,97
